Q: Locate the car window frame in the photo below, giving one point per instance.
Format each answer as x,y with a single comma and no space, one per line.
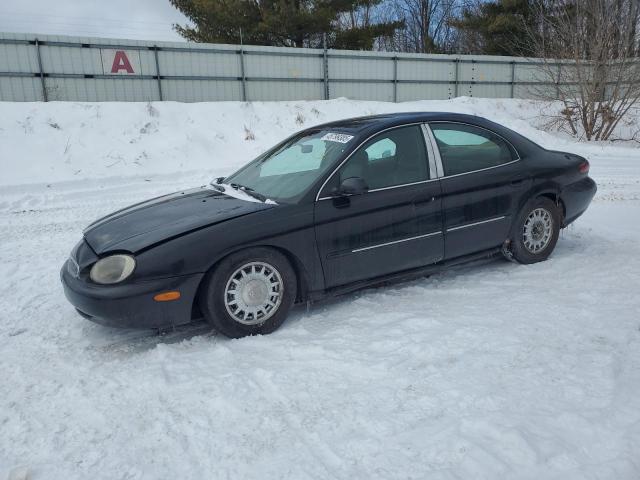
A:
428,150
438,157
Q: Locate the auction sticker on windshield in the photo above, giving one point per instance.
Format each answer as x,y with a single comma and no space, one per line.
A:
337,137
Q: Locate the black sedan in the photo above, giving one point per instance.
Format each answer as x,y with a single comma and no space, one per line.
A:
331,209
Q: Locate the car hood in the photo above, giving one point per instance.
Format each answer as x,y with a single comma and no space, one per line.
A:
148,223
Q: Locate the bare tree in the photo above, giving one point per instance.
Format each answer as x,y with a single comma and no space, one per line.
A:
590,59
427,25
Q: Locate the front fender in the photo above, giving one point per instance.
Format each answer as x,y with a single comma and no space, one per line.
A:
288,228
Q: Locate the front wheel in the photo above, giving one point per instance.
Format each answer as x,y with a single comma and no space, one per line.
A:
536,231
249,293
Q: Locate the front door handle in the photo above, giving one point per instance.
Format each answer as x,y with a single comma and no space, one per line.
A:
425,200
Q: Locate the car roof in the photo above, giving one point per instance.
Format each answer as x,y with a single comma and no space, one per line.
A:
360,125
370,125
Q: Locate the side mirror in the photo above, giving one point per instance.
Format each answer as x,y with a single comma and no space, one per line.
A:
353,186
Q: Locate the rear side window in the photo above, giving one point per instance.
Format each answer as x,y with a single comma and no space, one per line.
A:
465,148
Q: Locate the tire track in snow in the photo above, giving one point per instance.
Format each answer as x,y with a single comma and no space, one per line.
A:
314,444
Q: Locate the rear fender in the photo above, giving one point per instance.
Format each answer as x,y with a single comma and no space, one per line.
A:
547,189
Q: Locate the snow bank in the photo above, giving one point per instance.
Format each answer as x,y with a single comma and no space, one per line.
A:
42,143
494,371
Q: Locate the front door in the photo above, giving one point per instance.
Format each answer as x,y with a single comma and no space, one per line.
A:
395,226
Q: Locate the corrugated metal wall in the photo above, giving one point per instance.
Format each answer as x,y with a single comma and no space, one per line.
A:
96,69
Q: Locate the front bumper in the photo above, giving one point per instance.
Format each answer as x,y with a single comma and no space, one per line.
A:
131,305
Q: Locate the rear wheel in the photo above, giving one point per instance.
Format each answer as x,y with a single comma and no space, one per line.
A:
536,231
249,293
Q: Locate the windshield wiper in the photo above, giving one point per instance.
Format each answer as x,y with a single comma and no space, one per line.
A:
219,188
249,191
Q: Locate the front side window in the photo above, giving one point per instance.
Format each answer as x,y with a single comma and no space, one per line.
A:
380,149
465,148
286,172
392,158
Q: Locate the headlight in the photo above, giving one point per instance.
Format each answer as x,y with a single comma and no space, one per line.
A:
113,269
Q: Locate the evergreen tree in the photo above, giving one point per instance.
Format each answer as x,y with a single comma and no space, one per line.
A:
498,27
291,23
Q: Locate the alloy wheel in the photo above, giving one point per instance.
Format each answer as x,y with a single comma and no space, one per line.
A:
537,230
253,293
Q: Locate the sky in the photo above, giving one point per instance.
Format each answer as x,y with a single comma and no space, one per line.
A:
130,19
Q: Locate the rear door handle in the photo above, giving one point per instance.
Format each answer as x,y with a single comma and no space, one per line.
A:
518,182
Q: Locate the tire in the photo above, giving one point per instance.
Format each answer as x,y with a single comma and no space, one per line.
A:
237,293
531,240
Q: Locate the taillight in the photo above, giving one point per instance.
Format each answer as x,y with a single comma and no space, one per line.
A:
584,167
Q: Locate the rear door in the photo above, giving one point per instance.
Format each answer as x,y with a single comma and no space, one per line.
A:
396,225
482,181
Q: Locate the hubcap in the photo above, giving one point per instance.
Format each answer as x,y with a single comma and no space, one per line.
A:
253,293
537,231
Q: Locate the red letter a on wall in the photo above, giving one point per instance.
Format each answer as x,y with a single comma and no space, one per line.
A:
121,62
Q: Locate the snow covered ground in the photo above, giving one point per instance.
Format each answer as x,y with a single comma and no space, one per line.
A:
492,371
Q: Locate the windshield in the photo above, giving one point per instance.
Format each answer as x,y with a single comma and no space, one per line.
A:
286,172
